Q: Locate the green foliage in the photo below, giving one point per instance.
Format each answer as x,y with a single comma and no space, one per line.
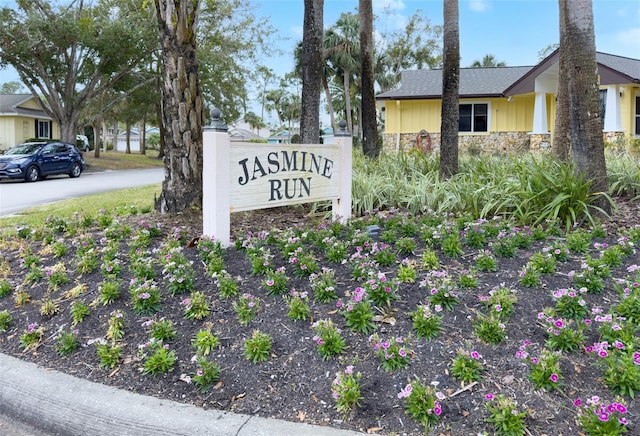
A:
157,358
422,403
598,418
298,303
393,353
6,320
345,390
257,348
67,343
246,308
205,342
206,375
328,338
426,323
490,329
197,306
109,354
504,415
466,366
79,311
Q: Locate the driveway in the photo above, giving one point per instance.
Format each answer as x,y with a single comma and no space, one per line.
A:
16,196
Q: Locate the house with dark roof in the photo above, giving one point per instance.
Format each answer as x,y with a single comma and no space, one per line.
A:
506,108
22,118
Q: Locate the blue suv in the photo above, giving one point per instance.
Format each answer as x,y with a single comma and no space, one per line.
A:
37,160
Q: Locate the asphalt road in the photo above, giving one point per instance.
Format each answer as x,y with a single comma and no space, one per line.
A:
16,195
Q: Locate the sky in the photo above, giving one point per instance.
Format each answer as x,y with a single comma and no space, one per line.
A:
513,31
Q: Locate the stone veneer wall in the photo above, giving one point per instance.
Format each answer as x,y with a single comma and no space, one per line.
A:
495,142
502,142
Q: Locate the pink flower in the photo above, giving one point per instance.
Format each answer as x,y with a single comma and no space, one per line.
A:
554,378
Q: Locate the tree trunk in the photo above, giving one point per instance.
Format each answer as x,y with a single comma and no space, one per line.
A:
183,115
115,135
327,94
143,135
96,137
127,149
585,123
450,90
347,99
368,119
311,71
561,140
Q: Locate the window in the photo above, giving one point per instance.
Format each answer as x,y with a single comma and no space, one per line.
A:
603,105
637,129
43,129
474,117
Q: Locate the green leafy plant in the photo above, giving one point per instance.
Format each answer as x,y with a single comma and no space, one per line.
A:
145,296
205,342
109,291
545,369
485,261
427,323
67,343
599,418
206,374
490,329
407,272
6,320
529,276
5,288
298,303
57,276
109,354
328,338
323,286
49,308
441,291
227,285
358,312
257,348
197,306
380,290
422,403
393,353
345,390
429,260
79,311
246,308
406,245
157,357
162,330
621,367
276,282
504,415
467,366
468,279
115,330
561,334
451,245
32,337
570,304
500,302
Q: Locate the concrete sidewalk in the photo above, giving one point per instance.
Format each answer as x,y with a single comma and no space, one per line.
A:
57,404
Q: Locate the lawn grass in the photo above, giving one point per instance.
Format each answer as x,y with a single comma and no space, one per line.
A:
124,201
111,160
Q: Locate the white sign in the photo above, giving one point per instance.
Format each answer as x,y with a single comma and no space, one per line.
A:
245,176
270,175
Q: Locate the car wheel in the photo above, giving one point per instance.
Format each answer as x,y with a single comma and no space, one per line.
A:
75,170
32,174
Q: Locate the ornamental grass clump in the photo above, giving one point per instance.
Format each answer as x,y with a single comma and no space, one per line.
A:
504,415
422,403
328,338
596,417
427,322
345,390
393,353
358,311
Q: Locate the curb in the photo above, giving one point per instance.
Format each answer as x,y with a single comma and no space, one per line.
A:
61,405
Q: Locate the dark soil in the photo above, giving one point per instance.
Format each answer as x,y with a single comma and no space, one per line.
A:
295,383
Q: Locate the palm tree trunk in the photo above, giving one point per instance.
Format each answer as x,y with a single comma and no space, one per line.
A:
368,118
311,71
450,90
